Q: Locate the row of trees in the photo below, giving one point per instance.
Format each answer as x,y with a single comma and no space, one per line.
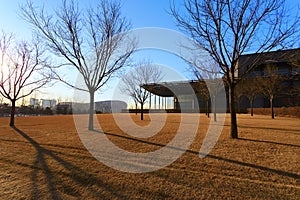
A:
270,85
5,110
94,42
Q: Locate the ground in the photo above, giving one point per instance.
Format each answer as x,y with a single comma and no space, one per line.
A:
44,158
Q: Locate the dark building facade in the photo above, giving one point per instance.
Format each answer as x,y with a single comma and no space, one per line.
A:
251,66
285,64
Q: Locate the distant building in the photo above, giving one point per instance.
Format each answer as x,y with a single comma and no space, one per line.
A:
49,103
35,103
64,108
284,61
255,65
110,106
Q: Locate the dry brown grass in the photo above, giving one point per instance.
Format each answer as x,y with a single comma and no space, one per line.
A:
43,158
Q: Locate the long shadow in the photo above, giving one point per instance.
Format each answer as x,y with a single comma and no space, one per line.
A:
40,160
276,171
56,146
270,142
79,176
45,144
87,179
163,121
271,128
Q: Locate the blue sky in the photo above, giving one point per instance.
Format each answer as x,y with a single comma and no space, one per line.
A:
141,13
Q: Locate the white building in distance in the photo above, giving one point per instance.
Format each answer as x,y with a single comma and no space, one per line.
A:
49,103
35,103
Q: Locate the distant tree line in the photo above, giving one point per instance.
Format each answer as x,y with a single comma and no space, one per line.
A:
5,110
60,109
270,85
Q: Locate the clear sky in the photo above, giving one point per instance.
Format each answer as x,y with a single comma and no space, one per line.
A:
141,13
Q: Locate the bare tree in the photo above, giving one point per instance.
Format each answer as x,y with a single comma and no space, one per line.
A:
145,73
213,84
239,93
227,29
293,59
251,90
136,106
202,88
294,79
205,94
92,42
293,92
270,85
22,71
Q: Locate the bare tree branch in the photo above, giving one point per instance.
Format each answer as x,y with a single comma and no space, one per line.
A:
94,42
145,73
227,29
270,85
22,70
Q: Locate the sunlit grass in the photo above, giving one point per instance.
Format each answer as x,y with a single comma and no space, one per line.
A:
44,159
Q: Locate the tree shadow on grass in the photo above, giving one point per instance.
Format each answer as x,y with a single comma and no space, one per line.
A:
45,144
272,128
85,179
241,163
270,142
77,175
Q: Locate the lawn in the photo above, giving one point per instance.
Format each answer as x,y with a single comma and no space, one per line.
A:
44,158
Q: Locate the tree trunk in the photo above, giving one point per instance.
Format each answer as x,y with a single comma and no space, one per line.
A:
251,106
233,128
272,108
136,109
238,104
215,110
91,110
142,111
12,113
207,108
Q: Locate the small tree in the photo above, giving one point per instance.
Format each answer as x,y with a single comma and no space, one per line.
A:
294,90
294,61
208,73
215,86
136,106
93,42
22,71
251,88
145,73
248,87
270,85
239,92
205,94
202,89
